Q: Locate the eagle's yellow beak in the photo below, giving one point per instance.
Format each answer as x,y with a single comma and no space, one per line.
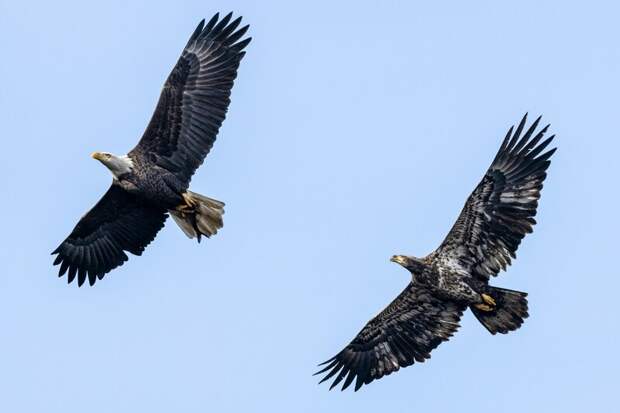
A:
398,259
97,155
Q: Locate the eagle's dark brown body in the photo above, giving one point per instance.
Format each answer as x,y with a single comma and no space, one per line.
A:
152,180
483,241
154,184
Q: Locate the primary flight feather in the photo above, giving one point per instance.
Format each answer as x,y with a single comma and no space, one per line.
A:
152,180
484,240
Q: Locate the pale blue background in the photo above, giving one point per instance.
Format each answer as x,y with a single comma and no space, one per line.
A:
356,131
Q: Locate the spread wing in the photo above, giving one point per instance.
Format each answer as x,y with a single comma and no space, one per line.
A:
406,331
501,210
118,222
195,98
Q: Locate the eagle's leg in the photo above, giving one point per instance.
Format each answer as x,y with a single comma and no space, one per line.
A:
488,303
488,299
189,201
188,205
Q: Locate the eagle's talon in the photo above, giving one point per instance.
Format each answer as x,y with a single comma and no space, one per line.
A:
190,203
488,300
487,304
484,307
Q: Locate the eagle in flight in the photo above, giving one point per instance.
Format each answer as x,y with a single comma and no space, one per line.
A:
483,241
152,180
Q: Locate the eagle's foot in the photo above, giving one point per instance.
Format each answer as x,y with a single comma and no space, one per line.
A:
488,303
184,209
484,307
488,300
189,205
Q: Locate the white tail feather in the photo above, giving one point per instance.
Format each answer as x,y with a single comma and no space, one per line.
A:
183,223
205,218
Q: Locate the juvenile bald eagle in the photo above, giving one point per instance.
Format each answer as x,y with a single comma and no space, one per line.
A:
484,239
153,178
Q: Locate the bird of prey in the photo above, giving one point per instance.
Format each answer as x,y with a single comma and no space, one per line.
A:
152,180
483,241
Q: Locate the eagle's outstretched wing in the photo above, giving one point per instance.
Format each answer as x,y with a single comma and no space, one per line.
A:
501,210
407,330
195,98
118,222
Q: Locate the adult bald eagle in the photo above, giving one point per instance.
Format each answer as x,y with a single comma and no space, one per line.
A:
484,239
153,178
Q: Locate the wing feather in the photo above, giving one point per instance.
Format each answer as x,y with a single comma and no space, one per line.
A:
501,209
118,222
406,331
195,98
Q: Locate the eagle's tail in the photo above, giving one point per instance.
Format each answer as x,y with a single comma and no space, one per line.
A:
200,216
509,311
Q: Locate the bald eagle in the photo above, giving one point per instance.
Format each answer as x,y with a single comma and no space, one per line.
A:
152,180
483,241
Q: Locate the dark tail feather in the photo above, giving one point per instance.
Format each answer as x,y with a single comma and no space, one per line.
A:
509,313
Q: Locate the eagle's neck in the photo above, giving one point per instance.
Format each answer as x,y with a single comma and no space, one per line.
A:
119,165
415,265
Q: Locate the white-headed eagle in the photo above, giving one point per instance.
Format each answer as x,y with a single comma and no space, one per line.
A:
483,241
152,180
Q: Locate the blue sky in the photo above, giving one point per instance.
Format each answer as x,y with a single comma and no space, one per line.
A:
356,131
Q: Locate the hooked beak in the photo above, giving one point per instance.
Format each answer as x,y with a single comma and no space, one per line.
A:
399,259
97,155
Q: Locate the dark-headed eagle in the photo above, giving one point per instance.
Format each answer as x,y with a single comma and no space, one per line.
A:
483,241
153,178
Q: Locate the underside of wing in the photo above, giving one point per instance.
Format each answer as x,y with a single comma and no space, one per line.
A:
406,331
119,222
500,211
195,98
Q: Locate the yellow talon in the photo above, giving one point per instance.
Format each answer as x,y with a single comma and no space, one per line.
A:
189,202
488,300
488,303
484,307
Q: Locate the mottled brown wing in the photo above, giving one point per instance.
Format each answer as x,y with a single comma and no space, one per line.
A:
195,99
406,331
501,210
119,222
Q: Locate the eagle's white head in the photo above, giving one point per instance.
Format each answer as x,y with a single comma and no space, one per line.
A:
118,165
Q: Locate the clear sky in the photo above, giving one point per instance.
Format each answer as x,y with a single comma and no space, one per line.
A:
356,131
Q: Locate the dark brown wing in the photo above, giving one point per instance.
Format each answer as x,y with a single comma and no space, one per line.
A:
195,98
406,331
118,222
501,210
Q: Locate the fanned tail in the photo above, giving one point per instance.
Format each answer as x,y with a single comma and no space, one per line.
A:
509,312
202,216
